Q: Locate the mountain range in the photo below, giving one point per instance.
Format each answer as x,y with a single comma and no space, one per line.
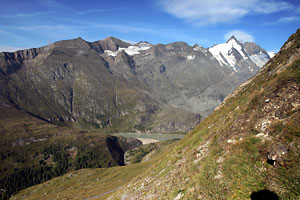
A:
248,148
116,86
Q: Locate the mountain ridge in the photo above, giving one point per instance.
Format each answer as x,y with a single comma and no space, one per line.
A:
83,84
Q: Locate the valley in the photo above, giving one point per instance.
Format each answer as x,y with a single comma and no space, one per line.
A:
61,102
106,104
248,147
150,100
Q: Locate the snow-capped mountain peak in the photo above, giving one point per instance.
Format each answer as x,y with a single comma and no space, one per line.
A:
230,53
232,38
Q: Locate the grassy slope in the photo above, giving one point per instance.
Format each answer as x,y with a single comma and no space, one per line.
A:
144,152
87,183
84,183
33,151
225,156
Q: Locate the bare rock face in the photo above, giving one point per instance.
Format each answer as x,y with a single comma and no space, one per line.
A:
252,48
110,43
110,83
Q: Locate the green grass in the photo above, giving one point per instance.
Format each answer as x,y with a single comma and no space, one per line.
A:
84,183
136,155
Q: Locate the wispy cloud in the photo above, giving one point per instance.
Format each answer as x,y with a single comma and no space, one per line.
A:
96,10
12,35
49,32
88,11
288,19
26,14
52,4
129,41
9,48
270,6
240,35
66,31
294,16
208,12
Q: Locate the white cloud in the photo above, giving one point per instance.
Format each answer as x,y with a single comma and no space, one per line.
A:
240,35
289,19
210,12
269,6
283,20
9,49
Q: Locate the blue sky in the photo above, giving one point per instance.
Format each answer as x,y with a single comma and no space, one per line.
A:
35,23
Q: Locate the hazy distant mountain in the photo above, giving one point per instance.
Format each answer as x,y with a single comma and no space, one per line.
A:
112,84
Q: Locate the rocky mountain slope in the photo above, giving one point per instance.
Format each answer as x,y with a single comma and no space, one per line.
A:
121,87
248,148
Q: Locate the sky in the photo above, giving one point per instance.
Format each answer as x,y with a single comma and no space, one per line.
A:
35,23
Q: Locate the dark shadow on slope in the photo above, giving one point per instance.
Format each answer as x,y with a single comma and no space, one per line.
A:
264,195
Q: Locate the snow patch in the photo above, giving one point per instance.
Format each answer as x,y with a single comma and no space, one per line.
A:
251,70
260,59
190,57
131,50
201,49
198,48
271,54
111,53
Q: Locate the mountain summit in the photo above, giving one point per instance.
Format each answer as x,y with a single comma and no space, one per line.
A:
233,38
237,55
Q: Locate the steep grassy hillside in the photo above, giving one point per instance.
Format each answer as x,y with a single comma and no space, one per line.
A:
248,147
